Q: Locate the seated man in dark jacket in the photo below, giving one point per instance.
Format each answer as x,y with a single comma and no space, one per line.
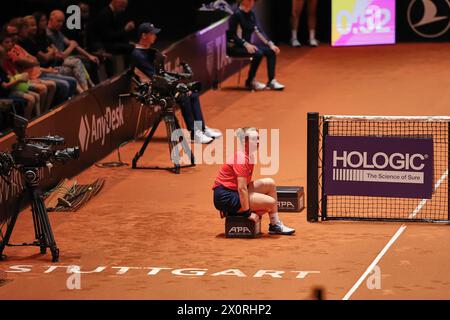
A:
145,59
243,23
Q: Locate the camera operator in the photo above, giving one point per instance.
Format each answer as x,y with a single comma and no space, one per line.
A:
145,59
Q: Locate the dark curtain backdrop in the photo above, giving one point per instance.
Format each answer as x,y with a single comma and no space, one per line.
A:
180,18
177,18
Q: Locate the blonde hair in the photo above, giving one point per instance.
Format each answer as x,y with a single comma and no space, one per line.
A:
28,18
244,132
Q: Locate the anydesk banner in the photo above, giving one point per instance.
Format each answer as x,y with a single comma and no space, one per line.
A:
96,121
379,167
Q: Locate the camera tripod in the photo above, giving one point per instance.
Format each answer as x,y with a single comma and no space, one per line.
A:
42,228
168,115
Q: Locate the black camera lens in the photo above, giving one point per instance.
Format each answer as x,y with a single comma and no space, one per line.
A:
68,154
74,153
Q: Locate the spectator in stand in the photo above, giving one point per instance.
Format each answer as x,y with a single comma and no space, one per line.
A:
50,56
38,44
66,46
16,88
25,62
45,88
114,31
83,35
86,38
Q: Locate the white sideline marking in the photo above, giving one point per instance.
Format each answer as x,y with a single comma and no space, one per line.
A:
375,262
393,239
422,203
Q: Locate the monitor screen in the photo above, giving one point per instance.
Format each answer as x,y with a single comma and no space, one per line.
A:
363,22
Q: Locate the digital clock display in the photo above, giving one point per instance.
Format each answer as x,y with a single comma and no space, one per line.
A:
363,22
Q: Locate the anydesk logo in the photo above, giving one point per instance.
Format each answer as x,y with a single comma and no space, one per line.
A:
362,166
94,128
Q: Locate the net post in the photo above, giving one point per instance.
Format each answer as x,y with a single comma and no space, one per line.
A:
323,195
448,171
312,214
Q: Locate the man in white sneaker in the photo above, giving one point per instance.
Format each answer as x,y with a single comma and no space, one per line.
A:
235,194
144,58
242,25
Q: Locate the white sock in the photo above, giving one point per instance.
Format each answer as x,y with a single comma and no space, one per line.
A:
274,219
293,34
312,34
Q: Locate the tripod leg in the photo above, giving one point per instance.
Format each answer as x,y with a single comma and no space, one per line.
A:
185,144
12,223
146,142
46,229
8,233
170,128
39,233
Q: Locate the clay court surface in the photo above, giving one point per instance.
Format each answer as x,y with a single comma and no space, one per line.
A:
150,219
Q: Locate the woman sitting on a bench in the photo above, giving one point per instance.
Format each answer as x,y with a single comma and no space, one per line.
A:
236,194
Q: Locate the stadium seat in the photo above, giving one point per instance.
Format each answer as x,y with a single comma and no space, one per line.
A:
231,59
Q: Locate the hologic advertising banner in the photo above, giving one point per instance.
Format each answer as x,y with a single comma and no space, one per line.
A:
363,22
379,167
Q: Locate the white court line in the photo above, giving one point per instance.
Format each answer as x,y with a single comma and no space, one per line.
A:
374,263
422,203
393,239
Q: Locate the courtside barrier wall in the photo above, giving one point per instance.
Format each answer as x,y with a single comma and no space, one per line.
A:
205,52
95,121
98,121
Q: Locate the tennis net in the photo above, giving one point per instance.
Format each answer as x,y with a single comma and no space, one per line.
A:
378,168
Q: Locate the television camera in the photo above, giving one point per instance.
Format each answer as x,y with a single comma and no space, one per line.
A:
27,156
164,90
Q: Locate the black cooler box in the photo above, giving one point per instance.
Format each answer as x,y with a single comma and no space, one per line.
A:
290,199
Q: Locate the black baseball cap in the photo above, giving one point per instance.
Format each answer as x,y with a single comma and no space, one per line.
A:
147,27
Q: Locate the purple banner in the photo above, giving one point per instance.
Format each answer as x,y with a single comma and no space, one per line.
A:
379,167
205,51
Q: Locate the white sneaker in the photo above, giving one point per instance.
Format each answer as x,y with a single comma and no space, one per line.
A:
275,85
200,137
313,42
255,85
295,43
212,133
279,228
